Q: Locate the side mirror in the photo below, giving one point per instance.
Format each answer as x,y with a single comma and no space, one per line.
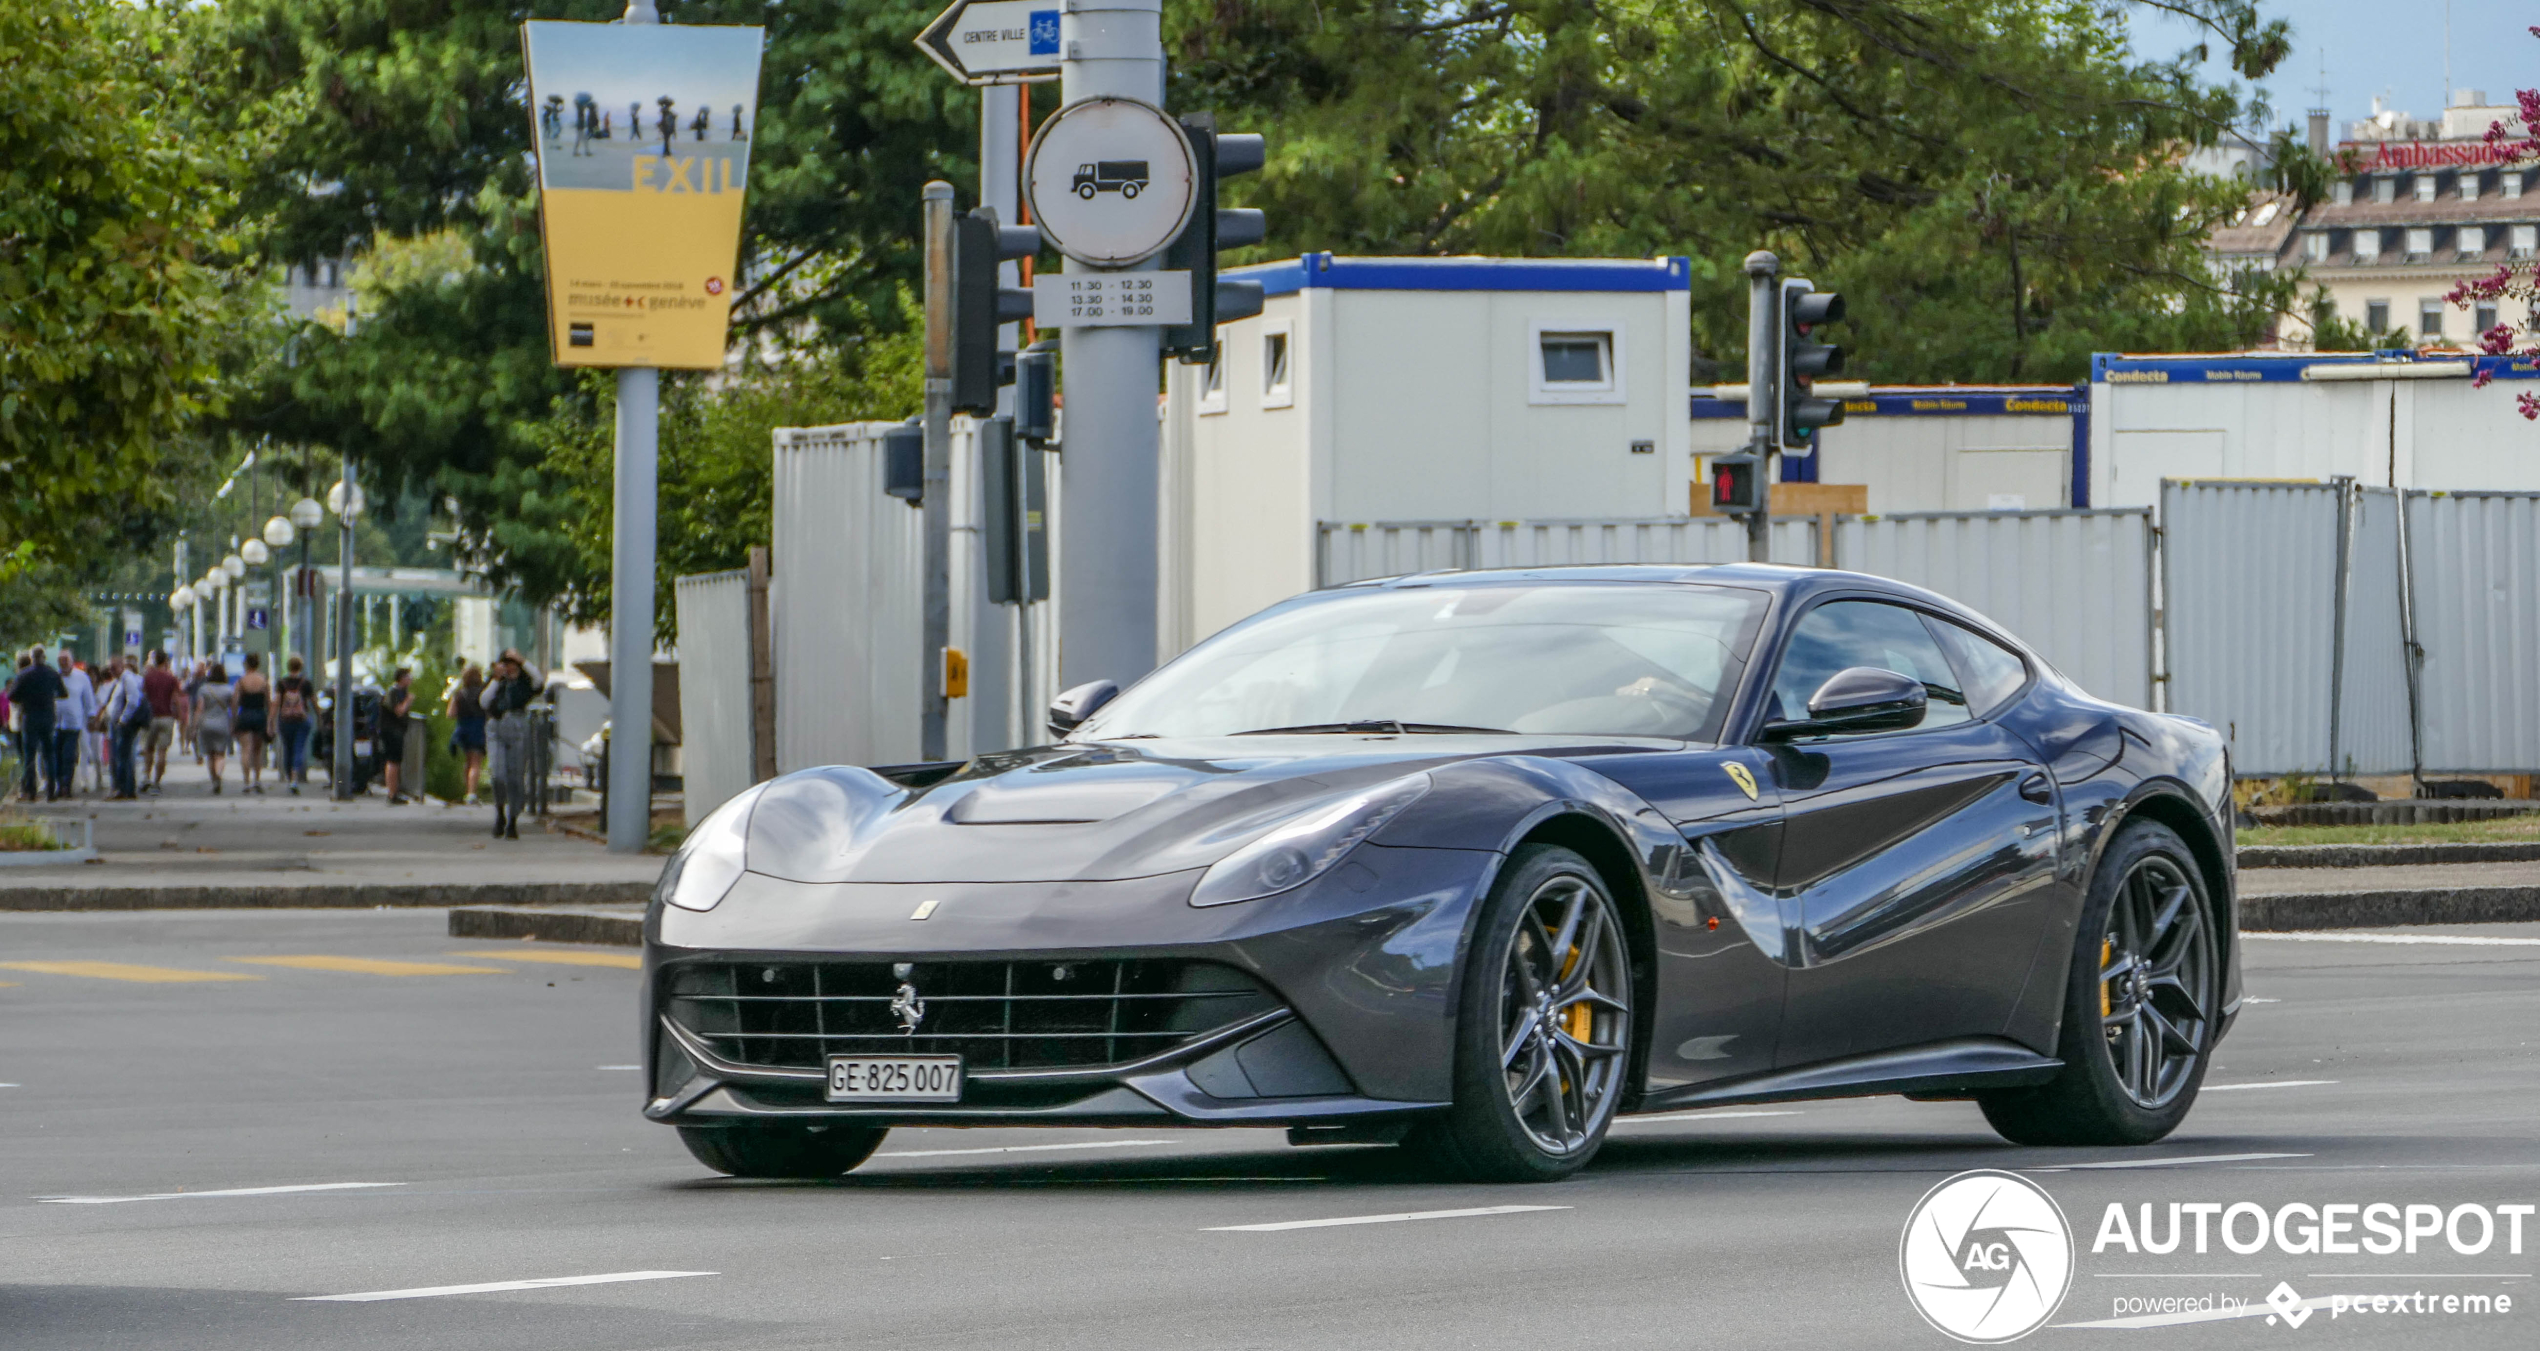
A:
1858,699
1069,711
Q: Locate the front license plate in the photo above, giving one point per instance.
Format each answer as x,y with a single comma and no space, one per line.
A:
895,1078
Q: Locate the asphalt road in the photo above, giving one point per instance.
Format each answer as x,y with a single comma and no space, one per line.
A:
492,1096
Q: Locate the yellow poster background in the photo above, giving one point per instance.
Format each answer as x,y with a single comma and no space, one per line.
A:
643,280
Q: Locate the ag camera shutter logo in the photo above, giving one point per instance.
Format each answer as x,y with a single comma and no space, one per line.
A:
1987,1257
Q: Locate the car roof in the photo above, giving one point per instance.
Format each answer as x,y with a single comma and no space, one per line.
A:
1792,585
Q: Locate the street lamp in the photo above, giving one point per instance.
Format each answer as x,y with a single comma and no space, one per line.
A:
235,566
278,532
305,515
254,553
345,500
182,598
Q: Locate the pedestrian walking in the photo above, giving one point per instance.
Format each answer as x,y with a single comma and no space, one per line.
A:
507,699
36,693
127,715
466,712
73,720
160,686
215,707
394,705
255,700
293,698
196,672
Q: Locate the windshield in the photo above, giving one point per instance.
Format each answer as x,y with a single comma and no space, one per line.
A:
1611,659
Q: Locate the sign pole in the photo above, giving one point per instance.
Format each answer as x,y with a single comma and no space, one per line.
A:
936,614
1107,570
630,760
994,666
1763,355
340,776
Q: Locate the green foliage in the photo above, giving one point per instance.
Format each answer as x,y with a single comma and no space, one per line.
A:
1992,182
119,250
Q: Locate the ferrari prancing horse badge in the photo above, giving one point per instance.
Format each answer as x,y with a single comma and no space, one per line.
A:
1739,776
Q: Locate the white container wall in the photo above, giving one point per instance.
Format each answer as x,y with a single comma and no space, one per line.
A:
2075,585
2474,560
714,689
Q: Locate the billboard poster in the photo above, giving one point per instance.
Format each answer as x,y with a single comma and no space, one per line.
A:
643,143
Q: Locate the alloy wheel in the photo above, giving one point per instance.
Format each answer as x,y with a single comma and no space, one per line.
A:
1563,1024
2156,982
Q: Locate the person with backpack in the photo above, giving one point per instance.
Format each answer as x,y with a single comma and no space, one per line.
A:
160,686
506,702
293,699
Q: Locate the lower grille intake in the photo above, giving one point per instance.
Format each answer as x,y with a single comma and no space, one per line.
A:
1021,1015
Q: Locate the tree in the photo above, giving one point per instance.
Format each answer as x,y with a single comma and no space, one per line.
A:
2508,280
119,268
1993,181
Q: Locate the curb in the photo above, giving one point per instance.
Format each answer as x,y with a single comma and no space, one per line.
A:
549,926
324,896
2394,812
2378,909
2386,855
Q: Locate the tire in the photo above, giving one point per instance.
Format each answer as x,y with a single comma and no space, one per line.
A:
1128,192
1086,191
782,1150
2141,1006
1542,1048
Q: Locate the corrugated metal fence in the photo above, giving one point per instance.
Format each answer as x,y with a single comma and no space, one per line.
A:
843,602
2293,612
1355,552
2075,585
714,689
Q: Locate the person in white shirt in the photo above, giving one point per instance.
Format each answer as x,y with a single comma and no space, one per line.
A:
70,720
127,717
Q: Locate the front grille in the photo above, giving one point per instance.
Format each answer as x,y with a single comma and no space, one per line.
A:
995,1015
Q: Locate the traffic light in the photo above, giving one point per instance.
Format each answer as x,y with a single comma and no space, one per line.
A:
1737,484
1805,310
1014,481
1214,302
904,462
979,305
1036,392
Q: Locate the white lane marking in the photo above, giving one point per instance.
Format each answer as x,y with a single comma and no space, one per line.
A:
2253,999
1014,1149
617,1067
2454,940
2269,1083
496,1287
232,1191
1375,1219
12,1085
2164,1163
1695,1116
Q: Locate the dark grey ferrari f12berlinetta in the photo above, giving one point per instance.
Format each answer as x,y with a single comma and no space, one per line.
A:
1476,862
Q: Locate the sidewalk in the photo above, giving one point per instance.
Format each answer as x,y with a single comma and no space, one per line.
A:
186,849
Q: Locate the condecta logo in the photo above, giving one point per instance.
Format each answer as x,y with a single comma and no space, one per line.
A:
1987,1256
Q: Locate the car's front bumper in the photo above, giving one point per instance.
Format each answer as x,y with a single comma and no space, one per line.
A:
1361,966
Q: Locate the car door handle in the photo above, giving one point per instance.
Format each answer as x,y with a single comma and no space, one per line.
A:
2036,789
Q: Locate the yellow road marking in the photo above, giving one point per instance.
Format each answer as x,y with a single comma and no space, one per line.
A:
373,966
627,960
148,975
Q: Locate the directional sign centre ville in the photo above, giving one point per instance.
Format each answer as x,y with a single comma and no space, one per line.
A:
995,42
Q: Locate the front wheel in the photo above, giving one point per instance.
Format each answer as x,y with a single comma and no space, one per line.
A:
2140,1008
782,1149
1543,1027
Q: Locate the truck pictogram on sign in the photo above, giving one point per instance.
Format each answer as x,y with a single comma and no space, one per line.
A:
1128,177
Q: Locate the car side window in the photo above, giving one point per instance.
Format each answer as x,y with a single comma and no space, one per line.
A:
1991,672
1843,634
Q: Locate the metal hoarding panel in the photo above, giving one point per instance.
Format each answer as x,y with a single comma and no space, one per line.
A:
2372,702
2248,588
2475,560
1354,552
844,602
714,689
2075,585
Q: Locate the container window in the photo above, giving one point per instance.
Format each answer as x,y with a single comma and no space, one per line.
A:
1278,380
1212,381
1575,363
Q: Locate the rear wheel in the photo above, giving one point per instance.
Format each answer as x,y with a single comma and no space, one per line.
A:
1543,1027
2140,1008
782,1149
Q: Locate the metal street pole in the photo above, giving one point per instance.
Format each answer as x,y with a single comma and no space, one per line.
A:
630,759
1763,360
936,612
1107,477
340,785
993,664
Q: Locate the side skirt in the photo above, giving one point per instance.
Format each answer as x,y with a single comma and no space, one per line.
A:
1942,1067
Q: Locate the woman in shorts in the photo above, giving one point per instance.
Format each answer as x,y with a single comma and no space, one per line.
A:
215,705
255,708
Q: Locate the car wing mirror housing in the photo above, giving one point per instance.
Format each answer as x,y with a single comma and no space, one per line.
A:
1857,699
1069,710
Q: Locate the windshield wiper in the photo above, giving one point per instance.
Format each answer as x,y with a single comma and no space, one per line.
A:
1378,725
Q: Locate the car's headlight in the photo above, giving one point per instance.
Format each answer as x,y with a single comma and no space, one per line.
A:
1301,849
710,860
